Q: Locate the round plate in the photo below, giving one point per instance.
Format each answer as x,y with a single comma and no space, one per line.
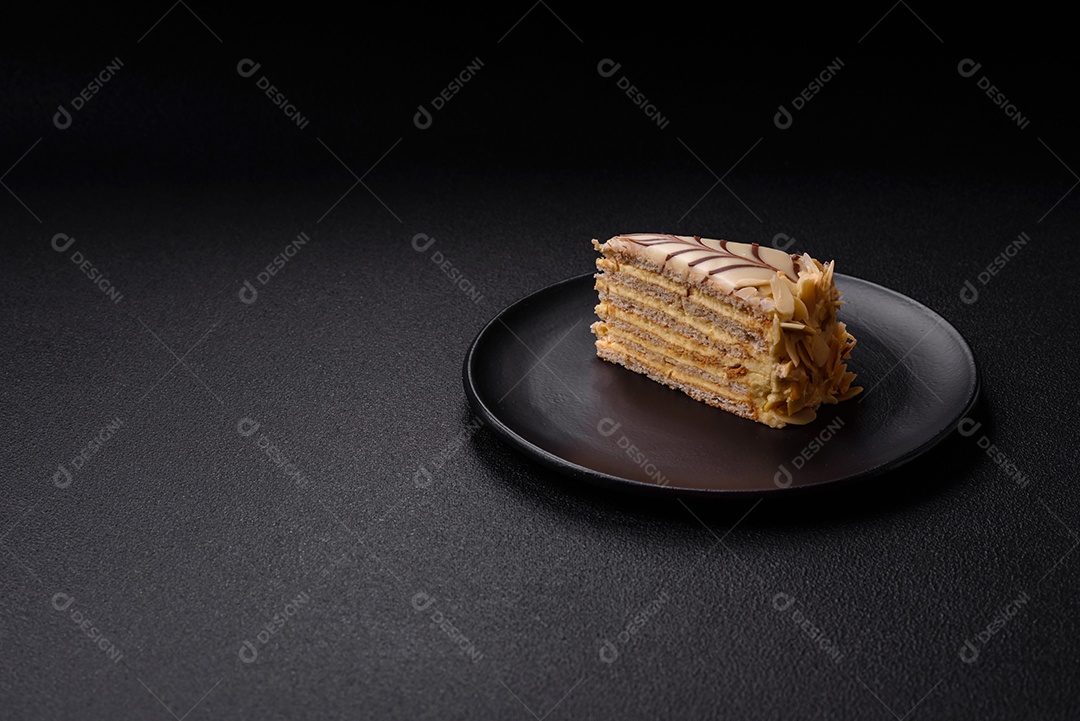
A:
533,376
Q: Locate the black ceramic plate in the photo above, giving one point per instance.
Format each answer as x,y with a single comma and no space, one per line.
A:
532,374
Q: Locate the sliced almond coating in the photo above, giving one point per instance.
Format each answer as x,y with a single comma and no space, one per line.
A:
799,419
821,350
834,358
827,276
752,282
808,263
785,302
804,354
808,289
792,349
800,312
776,332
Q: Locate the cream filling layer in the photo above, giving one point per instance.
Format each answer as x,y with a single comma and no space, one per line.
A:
749,372
614,354
726,333
677,371
661,354
695,294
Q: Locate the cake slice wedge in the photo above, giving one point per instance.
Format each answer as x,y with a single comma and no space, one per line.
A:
748,329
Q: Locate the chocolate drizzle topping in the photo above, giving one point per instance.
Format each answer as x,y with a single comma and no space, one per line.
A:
723,252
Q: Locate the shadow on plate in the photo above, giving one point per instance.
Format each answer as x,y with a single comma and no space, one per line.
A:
928,477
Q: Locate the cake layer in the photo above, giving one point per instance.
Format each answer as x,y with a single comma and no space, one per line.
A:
732,379
705,328
706,354
749,371
704,296
685,327
674,378
730,322
645,318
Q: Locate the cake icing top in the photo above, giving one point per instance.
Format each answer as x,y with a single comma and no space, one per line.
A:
734,265
744,269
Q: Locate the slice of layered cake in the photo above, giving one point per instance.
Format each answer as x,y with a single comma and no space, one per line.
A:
747,329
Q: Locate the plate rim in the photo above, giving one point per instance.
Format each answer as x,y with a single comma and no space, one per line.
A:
631,485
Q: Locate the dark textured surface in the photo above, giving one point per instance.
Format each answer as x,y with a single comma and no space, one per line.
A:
181,539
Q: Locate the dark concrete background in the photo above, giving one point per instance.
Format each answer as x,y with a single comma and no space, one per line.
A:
179,539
